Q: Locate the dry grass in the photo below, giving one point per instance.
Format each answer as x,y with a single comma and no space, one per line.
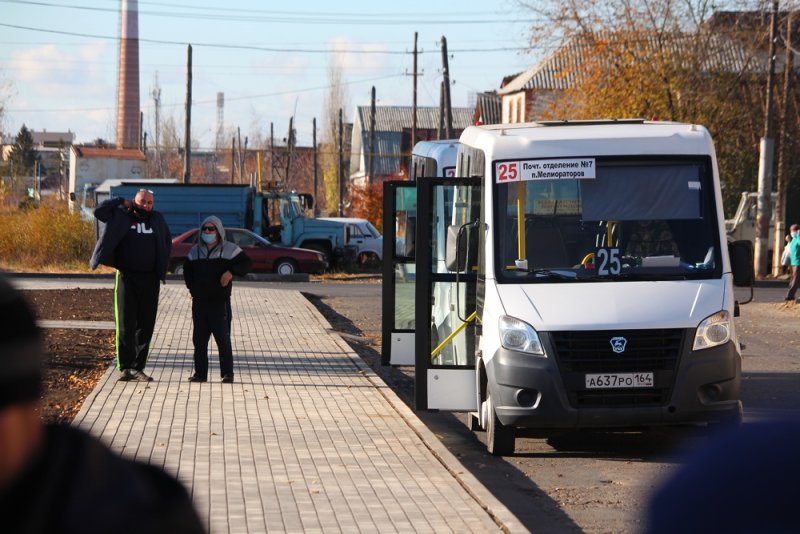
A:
47,238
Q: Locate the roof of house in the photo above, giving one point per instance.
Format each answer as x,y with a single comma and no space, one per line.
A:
558,70
488,108
396,118
390,122
112,153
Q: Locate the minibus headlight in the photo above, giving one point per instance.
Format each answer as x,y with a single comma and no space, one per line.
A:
714,330
520,336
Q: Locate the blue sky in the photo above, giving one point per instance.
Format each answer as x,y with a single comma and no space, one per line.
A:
58,59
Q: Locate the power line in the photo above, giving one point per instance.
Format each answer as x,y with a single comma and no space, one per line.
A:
210,101
263,48
294,17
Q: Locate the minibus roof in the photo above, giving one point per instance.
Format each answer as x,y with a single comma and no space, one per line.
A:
588,138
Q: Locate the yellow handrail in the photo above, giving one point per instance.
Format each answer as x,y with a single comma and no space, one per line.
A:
435,352
521,201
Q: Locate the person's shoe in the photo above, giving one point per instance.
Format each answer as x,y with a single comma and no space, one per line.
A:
227,379
140,376
195,378
126,376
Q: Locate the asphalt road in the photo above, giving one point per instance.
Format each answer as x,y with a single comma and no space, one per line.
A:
601,482
591,482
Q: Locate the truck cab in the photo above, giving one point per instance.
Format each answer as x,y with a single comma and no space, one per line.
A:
743,224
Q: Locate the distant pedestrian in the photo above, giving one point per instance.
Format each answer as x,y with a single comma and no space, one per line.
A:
794,261
136,241
786,264
208,272
57,478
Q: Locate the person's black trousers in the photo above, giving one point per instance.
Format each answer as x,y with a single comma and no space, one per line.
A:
135,309
211,318
794,283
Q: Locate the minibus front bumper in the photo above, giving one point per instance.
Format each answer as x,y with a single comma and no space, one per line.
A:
537,392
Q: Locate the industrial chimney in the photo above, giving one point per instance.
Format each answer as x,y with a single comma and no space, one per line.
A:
128,135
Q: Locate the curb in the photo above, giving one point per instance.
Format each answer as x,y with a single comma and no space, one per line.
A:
252,277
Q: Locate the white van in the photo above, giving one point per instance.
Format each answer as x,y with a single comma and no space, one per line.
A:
590,281
364,235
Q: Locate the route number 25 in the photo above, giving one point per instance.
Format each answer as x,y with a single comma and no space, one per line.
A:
607,261
507,172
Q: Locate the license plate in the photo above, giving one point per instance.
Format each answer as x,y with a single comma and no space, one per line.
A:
619,380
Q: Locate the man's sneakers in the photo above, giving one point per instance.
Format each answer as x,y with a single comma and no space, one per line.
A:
196,378
227,379
141,377
132,375
126,376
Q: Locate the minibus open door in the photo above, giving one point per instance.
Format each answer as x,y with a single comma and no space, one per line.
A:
399,272
445,295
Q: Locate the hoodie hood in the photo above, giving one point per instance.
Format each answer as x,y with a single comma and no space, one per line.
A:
213,219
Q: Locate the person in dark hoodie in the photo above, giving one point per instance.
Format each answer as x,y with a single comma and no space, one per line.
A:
56,478
136,242
208,272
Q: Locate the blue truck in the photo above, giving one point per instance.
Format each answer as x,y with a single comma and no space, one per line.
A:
276,215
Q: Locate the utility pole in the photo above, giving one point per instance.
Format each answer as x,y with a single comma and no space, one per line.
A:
239,151
371,136
187,143
157,105
289,150
766,161
272,152
243,168
780,204
448,108
440,132
340,169
233,157
414,101
314,141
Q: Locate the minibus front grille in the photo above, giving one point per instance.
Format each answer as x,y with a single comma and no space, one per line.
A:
579,353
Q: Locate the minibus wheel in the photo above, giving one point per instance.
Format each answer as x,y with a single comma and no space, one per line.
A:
499,437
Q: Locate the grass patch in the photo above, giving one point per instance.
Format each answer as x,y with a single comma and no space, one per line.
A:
47,238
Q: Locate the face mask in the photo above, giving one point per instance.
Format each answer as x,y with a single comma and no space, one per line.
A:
793,234
209,239
141,212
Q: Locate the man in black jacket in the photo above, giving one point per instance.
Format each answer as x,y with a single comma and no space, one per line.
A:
208,273
55,478
136,241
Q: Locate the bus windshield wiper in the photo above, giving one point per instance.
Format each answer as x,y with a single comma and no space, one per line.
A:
561,275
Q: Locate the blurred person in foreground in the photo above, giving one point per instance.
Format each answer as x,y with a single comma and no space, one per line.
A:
56,478
208,273
742,481
136,242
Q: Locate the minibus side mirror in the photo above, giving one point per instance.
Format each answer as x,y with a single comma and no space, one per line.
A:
741,255
462,246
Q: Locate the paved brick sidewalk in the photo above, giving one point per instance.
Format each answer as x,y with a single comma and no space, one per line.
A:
308,438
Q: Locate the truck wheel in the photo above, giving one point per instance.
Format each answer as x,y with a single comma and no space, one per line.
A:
368,260
321,248
499,437
285,266
177,267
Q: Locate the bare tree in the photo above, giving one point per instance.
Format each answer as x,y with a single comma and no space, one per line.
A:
329,148
665,60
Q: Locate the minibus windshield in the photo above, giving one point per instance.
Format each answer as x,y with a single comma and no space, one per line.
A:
593,219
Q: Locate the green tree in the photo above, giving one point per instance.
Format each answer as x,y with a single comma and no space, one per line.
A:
23,155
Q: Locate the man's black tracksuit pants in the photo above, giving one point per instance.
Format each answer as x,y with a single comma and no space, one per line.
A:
135,309
211,317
